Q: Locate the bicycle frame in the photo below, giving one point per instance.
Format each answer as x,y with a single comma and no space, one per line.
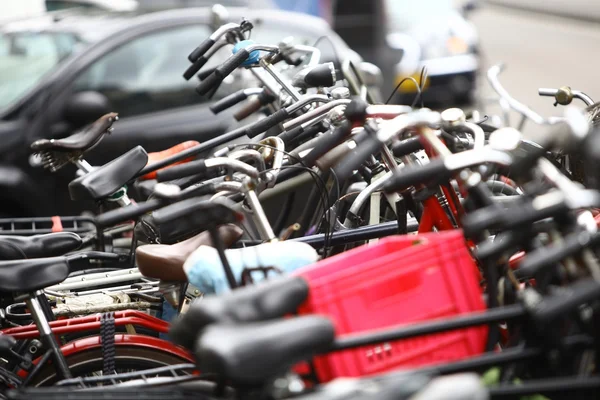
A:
89,323
94,342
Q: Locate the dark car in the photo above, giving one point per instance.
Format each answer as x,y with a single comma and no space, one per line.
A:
58,74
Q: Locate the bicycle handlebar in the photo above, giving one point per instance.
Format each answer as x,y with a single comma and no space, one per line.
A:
211,40
519,107
327,142
565,95
233,99
267,123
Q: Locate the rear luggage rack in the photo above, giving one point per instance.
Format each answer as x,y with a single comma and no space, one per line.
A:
42,225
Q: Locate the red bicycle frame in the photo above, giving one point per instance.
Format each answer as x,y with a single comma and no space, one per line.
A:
90,323
142,341
434,215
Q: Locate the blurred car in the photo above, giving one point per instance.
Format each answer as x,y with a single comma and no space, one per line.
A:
103,5
170,4
402,36
58,74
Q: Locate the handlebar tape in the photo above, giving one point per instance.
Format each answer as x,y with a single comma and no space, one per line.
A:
327,142
180,171
195,67
435,170
228,102
265,124
352,161
407,146
130,212
201,50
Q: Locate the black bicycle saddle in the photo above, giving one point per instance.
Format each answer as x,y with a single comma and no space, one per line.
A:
82,140
48,245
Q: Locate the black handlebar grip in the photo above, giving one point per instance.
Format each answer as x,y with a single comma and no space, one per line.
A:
435,170
288,136
232,63
206,73
209,83
499,218
353,160
299,133
310,132
228,101
549,256
327,142
265,124
356,110
474,223
565,300
130,212
195,67
201,50
407,146
525,157
528,214
180,171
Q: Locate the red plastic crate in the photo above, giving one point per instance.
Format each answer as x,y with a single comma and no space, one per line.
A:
400,279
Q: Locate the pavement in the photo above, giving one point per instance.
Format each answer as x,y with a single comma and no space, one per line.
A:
539,50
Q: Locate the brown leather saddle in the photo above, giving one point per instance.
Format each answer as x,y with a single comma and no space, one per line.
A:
165,262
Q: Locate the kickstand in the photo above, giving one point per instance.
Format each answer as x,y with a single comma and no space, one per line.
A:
218,243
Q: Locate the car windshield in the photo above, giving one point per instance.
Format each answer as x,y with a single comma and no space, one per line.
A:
26,57
404,14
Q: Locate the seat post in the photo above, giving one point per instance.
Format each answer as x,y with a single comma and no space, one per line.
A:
46,335
216,240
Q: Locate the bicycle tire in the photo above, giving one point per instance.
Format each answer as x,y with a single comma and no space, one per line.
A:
90,361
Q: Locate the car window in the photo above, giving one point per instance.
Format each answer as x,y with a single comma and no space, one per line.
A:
61,5
26,57
145,75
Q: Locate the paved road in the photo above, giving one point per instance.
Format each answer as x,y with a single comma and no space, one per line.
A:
540,51
586,9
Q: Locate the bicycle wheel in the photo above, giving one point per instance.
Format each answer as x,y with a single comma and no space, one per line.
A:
127,359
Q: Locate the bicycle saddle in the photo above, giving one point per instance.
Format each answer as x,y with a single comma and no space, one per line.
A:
49,245
254,353
165,262
82,140
31,275
261,302
204,268
106,180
